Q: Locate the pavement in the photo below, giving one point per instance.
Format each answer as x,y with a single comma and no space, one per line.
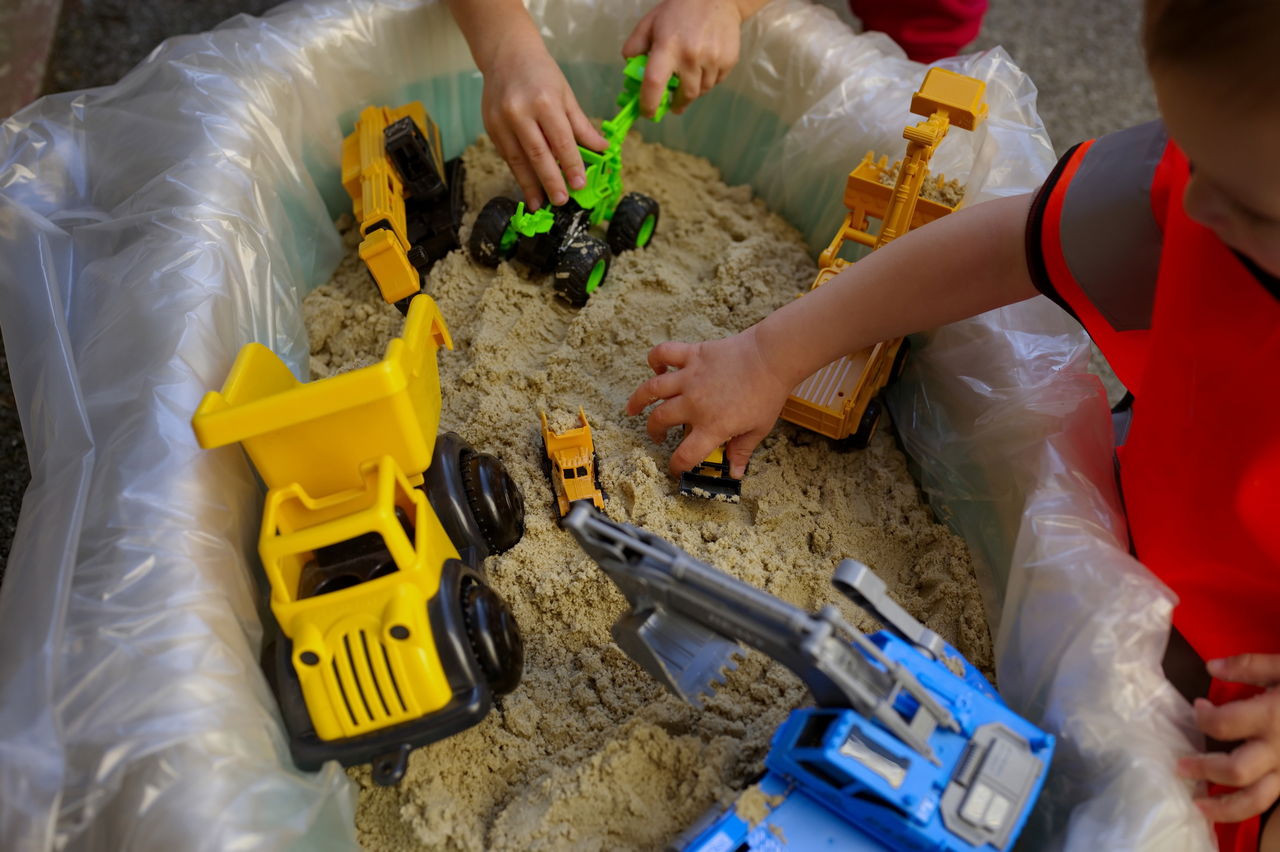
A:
1084,57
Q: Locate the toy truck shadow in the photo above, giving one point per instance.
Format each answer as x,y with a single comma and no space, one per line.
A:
840,400
909,746
558,239
374,533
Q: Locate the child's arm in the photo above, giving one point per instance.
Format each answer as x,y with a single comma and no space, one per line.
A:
1254,766
527,106
732,389
697,39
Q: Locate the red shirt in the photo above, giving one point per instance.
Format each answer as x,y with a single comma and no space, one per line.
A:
1192,329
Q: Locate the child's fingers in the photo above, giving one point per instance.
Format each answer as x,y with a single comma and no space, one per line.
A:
690,87
662,419
673,353
641,37
509,148
657,72
1239,768
559,134
661,386
695,447
1257,669
739,452
1235,720
540,158
1242,804
584,131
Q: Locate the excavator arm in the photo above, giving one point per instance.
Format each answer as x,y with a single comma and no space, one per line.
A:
687,619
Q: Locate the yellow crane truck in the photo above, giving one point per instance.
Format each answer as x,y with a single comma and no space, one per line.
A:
841,399
373,537
405,197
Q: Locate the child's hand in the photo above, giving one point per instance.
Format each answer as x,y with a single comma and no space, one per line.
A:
697,39
535,121
1254,766
724,390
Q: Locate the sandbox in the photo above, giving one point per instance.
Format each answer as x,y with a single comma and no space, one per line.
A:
152,228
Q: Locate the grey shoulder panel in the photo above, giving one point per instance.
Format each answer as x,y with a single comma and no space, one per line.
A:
1109,234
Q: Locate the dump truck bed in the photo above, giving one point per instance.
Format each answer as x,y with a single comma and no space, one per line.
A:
318,434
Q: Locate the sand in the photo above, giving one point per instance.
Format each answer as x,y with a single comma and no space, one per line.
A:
588,752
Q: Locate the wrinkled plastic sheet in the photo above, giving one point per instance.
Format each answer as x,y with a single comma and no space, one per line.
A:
151,228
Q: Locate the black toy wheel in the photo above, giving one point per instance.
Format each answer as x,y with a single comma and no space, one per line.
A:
495,500
456,175
494,636
595,469
900,360
541,252
633,223
866,427
486,244
582,267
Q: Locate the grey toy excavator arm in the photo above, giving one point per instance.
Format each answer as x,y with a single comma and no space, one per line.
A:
687,618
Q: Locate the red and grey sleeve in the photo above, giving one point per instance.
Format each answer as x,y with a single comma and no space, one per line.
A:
1094,237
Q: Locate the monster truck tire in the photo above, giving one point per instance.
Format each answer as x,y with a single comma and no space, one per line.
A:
633,223
485,242
582,268
495,639
495,500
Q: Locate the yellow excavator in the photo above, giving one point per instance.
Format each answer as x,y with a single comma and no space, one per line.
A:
840,400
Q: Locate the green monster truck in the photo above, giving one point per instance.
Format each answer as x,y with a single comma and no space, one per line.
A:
559,238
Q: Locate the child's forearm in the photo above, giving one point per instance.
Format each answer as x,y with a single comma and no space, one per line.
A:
968,262
491,26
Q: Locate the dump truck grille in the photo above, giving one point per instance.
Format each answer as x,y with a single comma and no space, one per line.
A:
364,676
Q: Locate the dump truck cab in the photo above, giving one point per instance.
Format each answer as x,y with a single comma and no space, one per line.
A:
373,538
569,460
405,197
840,400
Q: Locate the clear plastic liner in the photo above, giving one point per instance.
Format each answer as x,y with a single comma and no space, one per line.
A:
151,228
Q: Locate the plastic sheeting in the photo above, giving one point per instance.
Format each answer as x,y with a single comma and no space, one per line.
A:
151,228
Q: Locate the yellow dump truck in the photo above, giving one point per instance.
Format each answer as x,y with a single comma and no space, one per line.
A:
569,460
373,538
405,197
840,400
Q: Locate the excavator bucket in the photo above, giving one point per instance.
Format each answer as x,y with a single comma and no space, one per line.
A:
682,655
960,97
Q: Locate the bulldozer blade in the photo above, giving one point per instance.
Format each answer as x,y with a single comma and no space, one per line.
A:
711,487
685,657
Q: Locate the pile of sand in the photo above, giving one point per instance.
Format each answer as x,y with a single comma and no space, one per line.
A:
589,753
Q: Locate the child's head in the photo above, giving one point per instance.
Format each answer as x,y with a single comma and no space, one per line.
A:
1215,65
